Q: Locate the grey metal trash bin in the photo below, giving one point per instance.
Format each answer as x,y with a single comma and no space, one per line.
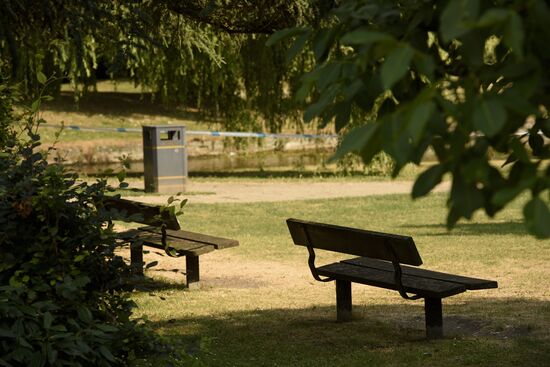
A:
164,158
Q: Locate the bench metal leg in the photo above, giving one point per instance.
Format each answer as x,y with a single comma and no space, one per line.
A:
343,300
192,271
434,318
136,258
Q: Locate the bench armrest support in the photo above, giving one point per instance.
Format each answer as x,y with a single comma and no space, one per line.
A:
311,259
311,263
398,274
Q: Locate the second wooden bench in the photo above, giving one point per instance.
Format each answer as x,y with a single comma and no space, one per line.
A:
163,231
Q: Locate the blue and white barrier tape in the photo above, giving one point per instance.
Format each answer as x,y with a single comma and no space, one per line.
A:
237,134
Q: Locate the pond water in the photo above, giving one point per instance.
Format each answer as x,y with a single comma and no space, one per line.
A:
227,162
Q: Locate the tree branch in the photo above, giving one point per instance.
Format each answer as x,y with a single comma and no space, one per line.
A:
249,16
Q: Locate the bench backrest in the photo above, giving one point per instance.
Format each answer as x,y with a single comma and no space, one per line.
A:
353,241
151,215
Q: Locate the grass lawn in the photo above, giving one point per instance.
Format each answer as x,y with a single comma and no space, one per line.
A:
259,306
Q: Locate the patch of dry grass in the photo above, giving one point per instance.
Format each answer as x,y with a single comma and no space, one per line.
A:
259,306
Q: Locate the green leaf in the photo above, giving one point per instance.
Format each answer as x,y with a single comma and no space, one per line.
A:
519,150
5,333
51,353
457,18
517,103
321,44
106,353
365,37
84,314
355,140
296,47
489,117
513,34
121,176
41,78
492,17
464,200
511,159
48,319
372,149
36,360
151,264
283,34
396,65
545,127
107,328
424,64
302,92
35,106
419,118
343,113
171,252
401,151
537,218
473,48
541,12
352,89
504,196
427,180
331,73
317,108
536,142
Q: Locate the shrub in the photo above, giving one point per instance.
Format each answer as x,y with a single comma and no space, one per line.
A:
63,291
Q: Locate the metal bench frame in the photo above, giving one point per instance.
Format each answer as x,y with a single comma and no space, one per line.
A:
432,301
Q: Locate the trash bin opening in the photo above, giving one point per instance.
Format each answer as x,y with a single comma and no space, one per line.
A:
169,135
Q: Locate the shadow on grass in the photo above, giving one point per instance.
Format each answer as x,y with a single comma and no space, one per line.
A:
116,104
389,334
111,173
244,174
470,228
148,284
275,174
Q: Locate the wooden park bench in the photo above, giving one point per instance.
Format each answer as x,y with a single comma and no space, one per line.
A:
380,265
163,231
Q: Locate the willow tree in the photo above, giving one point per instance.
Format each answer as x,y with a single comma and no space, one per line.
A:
205,54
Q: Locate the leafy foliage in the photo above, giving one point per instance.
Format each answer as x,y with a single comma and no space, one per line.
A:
63,291
174,48
465,79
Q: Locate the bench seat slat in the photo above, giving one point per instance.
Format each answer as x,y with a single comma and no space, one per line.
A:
216,242
468,282
381,278
182,246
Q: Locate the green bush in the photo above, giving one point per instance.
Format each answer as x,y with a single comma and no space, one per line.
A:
63,291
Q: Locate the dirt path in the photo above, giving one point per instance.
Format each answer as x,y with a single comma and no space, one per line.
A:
248,192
